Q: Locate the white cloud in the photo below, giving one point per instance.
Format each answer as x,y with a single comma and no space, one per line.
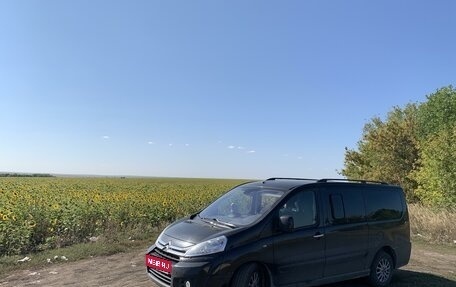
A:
106,137
187,144
150,142
240,147
170,144
251,151
231,146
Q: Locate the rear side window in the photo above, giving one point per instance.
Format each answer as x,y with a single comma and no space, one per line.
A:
347,207
383,204
337,209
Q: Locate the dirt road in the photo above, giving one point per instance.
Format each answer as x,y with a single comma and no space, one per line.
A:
429,266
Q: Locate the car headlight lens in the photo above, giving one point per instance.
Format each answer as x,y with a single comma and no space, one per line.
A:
210,246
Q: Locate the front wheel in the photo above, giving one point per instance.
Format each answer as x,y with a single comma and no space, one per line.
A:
250,275
381,271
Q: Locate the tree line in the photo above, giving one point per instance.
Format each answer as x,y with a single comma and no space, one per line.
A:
414,146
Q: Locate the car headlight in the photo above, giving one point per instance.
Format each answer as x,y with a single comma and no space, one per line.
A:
208,247
158,238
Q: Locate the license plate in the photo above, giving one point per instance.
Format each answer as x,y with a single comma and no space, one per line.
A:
159,263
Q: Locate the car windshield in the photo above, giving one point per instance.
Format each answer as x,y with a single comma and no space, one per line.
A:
241,206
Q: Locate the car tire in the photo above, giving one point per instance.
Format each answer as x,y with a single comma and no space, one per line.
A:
249,275
381,271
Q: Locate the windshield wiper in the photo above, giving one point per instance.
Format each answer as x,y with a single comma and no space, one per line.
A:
212,220
225,223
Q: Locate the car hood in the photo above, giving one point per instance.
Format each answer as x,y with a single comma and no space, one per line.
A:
188,232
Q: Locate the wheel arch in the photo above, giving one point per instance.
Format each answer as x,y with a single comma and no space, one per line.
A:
264,268
390,251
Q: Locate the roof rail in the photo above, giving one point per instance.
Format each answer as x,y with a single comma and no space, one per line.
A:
289,178
351,180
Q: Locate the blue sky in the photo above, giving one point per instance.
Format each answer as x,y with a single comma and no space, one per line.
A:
232,89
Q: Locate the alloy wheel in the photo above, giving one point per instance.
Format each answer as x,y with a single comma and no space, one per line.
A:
254,280
383,270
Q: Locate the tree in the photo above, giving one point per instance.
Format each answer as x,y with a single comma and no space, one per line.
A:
437,113
436,174
414,147
388,150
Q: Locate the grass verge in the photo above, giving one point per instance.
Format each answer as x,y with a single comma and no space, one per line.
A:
101,246
433,225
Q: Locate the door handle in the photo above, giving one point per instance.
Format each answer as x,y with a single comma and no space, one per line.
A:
318,235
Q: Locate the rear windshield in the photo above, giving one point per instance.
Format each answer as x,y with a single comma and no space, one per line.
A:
242,205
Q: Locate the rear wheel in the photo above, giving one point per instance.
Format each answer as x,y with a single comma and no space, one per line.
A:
381,271
250,275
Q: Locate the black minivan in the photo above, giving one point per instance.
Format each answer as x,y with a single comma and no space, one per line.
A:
287,232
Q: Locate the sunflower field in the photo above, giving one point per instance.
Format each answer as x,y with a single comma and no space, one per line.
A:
44,213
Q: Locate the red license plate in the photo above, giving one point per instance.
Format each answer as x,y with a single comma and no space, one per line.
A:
159,263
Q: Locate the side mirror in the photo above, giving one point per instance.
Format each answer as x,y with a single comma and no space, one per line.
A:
286,223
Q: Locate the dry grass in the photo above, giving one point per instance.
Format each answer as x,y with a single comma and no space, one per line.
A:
433,225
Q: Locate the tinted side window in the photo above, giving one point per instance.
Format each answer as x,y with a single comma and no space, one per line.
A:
337,209
354,206
301,207
347,207
383,204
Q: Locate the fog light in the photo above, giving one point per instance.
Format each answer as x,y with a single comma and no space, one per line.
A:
187,284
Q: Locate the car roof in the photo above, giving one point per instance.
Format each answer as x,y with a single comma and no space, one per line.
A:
281,183
286,183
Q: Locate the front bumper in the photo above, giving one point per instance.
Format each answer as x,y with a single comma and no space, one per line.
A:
207,271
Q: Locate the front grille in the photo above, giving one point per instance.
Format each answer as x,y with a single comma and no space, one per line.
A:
163,277
168,250
165,255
